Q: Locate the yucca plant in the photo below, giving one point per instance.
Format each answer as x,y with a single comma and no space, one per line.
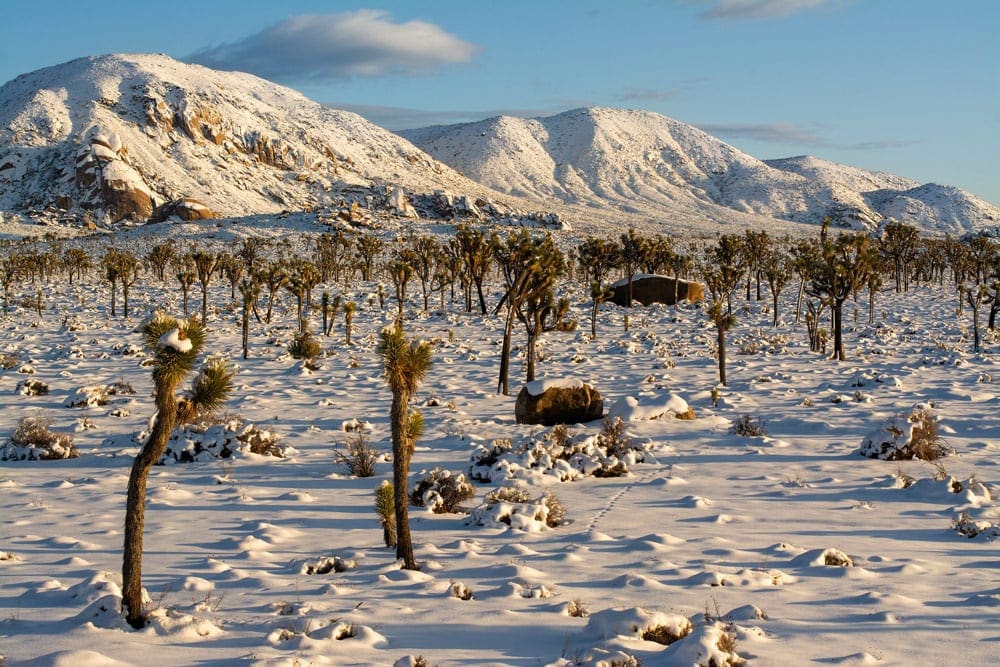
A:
176,345
384,507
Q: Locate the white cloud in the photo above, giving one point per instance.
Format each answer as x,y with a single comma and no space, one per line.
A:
756,9
314,48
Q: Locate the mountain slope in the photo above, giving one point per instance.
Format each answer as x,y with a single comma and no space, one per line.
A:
123,133
642,161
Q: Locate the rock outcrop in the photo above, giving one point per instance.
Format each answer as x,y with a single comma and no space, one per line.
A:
106,181
560,402
647,289
185,208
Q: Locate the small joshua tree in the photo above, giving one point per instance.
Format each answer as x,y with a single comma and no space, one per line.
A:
176,345
406,364
349,309
385,508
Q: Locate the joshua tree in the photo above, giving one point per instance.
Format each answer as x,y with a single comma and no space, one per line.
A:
368,248
900,244
530,266
304,277
112,273
632,249
176,345
599,293
159,257
232,268
76,261
728,256
974,296
406,364
777,266
250,291
720,284
596,257
205,265
400,271
756,245
349,308
843,267
424,256
274,277
476,251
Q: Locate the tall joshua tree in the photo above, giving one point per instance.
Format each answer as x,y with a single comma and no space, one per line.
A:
406,364
176,345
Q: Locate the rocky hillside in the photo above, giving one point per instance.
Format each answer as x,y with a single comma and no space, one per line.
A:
123,134
641,161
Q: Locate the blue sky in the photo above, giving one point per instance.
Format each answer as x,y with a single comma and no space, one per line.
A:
906,86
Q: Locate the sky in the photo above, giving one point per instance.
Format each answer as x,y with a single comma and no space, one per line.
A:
911,87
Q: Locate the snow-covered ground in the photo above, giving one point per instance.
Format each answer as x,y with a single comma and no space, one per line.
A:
730,533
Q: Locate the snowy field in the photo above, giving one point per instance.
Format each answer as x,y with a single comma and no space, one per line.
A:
789,548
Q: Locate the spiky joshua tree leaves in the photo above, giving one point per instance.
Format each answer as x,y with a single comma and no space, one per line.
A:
405,366
176,345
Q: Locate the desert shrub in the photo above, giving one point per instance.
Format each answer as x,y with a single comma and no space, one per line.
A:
516,508
577,609
219,438
666,634
559,454
442,491
29,387
613,437
304,346
327,565
460,591
97,394
747,425
971,527
34,440
8,361
360,457
907,437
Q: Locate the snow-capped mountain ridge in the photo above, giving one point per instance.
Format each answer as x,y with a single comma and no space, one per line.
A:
110,132
639,160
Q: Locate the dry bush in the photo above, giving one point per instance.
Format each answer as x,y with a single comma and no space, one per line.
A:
460,591
32,388
304,346
507,494
33,439
360,457
557,512
442,491
925,441
747,425
614,439
577,609
665,634
8,361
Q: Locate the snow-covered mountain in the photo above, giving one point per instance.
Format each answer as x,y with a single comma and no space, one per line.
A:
124,133
643,161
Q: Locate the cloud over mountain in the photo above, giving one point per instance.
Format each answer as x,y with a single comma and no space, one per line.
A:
315,48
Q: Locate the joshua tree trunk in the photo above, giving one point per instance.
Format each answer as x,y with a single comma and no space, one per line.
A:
401,451
135,508
721,338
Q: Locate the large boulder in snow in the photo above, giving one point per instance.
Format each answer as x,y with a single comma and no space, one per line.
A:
186,208
647,289
106,181
551,402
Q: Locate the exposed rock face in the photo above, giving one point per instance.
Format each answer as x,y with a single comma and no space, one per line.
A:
647,289
186,208
106,181
570,404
